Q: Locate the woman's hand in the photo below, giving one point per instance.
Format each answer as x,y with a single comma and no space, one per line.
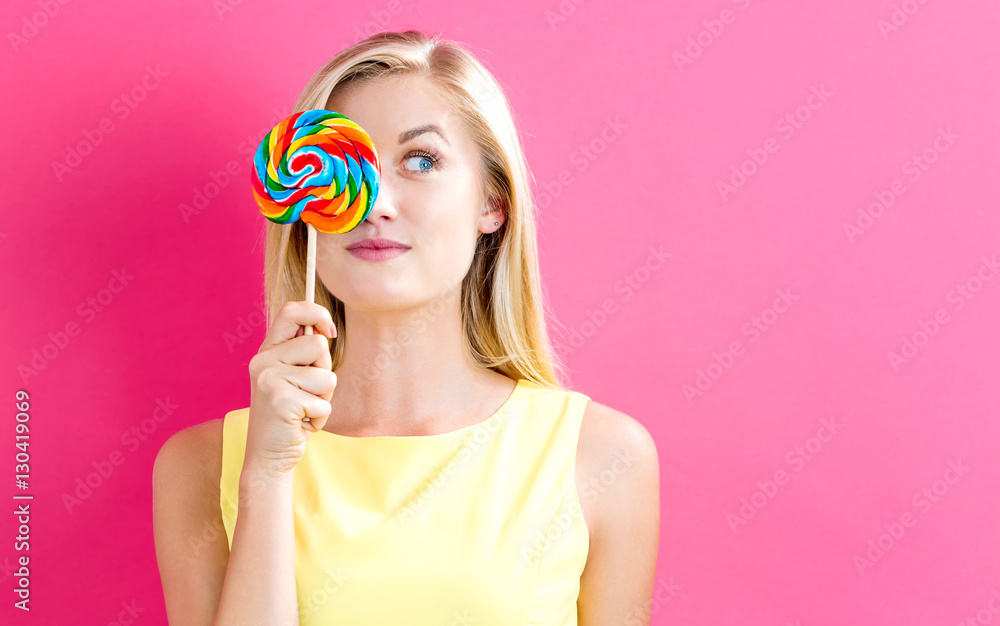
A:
290,379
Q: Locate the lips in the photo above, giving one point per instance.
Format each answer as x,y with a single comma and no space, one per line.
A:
377,244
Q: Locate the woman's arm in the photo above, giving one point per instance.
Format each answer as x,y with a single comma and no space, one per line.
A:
191,546
617,583
203,584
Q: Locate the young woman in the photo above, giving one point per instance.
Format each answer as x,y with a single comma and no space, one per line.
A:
444,476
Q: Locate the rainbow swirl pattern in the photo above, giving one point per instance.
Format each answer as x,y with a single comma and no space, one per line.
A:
318,166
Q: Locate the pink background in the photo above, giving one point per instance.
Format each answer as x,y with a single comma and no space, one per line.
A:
651,182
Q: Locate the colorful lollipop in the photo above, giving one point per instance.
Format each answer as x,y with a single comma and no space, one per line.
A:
317,166
320,167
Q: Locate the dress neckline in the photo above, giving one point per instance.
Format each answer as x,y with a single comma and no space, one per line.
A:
514,394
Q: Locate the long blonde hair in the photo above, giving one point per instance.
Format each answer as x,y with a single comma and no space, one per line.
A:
504,309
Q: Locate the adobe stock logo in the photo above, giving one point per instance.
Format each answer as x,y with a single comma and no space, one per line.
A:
986,615
924,500
122,106
37,21
901,14
130,611
787,126
379,22
597,317
104,467
88,310
582,158
754,328
963,293
714,28
203,194
246,326
663,593
796,459
914,168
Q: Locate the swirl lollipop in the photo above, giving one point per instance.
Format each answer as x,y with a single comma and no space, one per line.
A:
320,167
317,166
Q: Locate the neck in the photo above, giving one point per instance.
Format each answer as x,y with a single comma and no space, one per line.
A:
405,369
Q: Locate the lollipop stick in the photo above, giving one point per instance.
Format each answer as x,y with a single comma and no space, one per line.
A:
310,270
310,277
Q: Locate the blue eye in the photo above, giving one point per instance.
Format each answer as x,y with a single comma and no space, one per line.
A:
425,161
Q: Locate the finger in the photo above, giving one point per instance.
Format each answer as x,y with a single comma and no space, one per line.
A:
314,409
304,350
325,360
296,404
314,380
292,316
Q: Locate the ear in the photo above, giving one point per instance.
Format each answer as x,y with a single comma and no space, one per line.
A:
492,212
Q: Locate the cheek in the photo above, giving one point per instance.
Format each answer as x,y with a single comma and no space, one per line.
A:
329,250
447,213
449,242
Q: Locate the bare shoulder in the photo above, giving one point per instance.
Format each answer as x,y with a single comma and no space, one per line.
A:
187,470
192,453
604,425
617,466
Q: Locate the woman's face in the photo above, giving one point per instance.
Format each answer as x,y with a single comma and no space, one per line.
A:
430,199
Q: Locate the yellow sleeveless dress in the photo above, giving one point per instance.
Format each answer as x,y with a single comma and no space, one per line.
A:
480,525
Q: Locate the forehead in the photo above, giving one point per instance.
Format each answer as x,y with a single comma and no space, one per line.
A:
388,106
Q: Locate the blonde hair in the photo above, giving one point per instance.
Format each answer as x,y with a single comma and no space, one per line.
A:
503,306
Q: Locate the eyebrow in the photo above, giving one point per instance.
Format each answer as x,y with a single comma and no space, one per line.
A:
420,130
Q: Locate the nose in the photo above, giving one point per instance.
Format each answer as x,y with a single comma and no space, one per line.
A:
385,202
